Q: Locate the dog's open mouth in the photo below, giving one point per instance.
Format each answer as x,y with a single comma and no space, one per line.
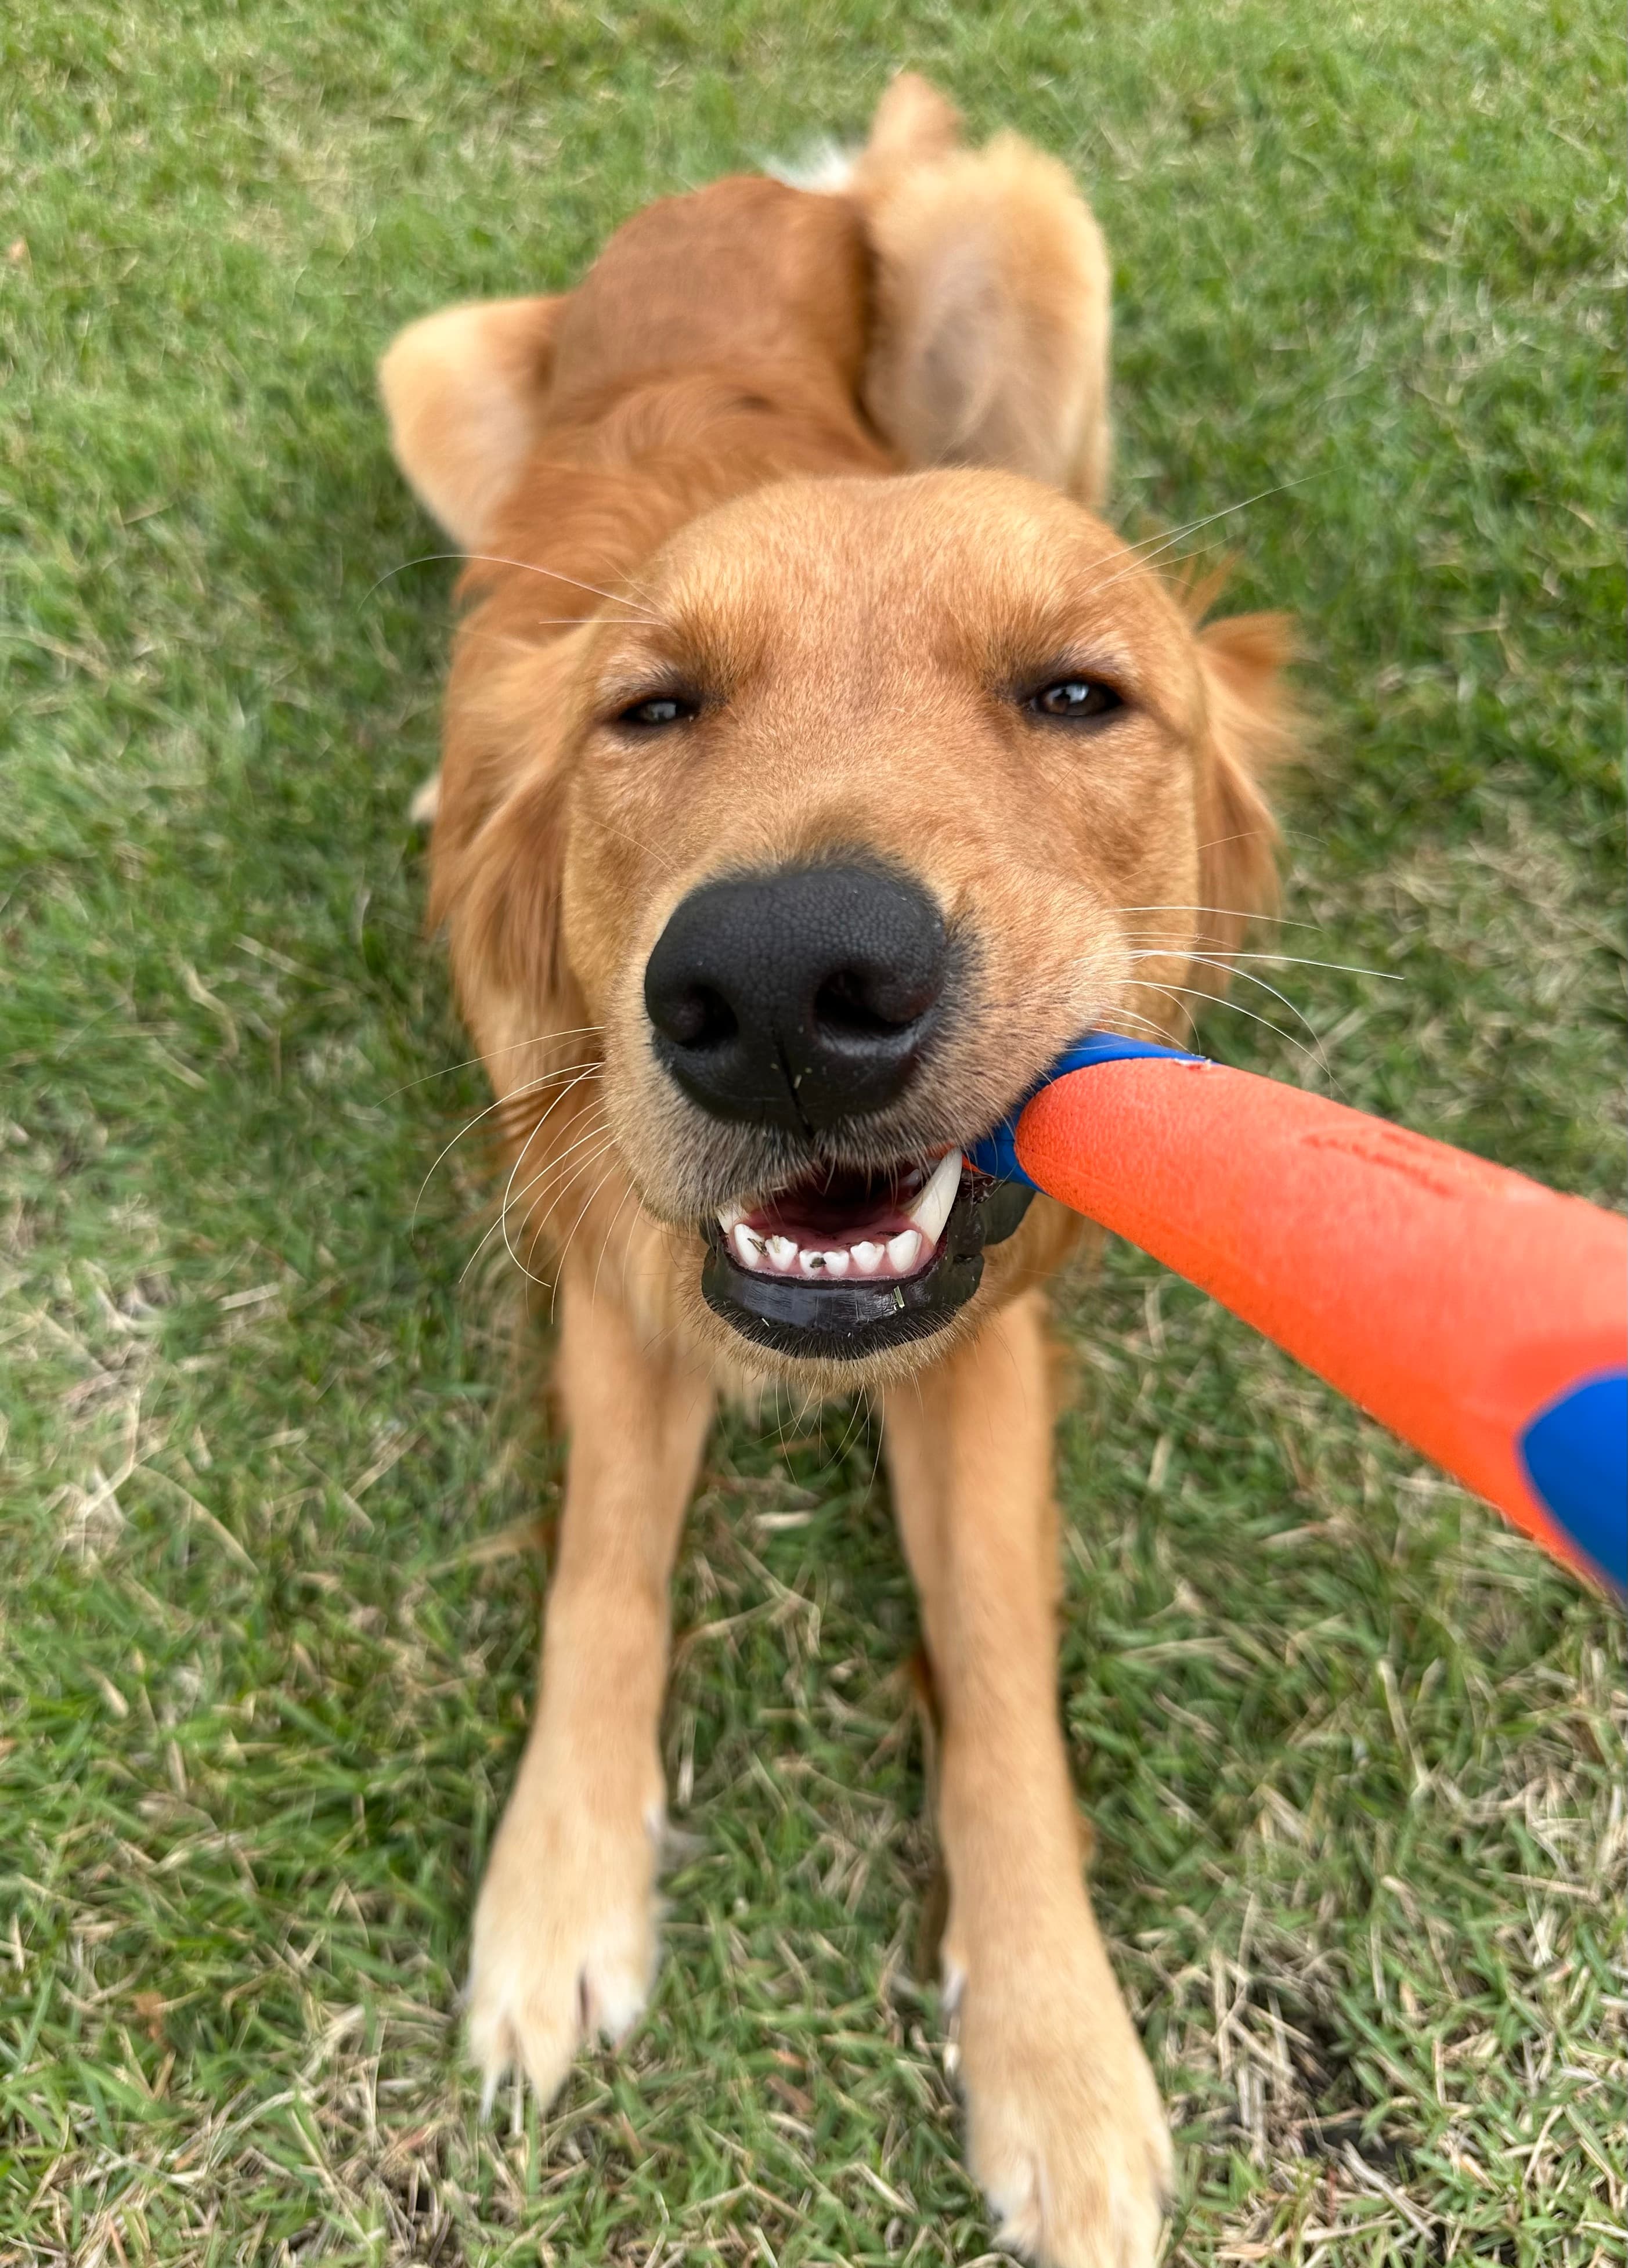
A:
840,1264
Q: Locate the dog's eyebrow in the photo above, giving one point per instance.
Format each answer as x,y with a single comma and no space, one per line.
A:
1034,658
628,678
1074,657
673,652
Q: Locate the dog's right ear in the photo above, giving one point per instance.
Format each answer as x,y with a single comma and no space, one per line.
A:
463,392
498,853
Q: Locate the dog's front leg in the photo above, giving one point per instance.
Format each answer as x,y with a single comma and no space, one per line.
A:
1064,2129
565,1927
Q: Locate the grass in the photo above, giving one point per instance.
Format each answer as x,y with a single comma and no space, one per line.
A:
266,1616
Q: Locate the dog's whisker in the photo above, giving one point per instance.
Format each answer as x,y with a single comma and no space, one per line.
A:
853,1430
1149,564
1341,968
544,1040
649,849
496,1226
1220,842
605,1241
1237,1008
1163,537
1111,1017
1158,1030
633,1221
528,566
1291,960
556,1164
486,1239
876,1460
573,1182
503,1210
1249,976
1224,962
1233,913
502,1103
513,1097
543,1174
543,1121
1163,544
517,1119
583,1210
587,1206
566,1175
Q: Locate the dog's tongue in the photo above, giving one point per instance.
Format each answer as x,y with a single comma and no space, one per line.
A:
838,1208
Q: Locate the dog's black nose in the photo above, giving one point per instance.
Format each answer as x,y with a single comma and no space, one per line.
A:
800,998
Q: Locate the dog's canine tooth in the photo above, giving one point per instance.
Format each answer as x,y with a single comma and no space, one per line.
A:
749,1246
931,1208
730,1215
903,1249
782,1253
867,1257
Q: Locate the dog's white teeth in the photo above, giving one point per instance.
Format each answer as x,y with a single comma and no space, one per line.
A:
895,1256
902,1250
931,1208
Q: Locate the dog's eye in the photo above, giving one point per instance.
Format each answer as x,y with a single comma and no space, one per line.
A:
1073,698
656,710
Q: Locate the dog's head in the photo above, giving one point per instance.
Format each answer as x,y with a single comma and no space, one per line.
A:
875,796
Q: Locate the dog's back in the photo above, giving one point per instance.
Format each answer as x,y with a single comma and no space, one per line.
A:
748,280
938,306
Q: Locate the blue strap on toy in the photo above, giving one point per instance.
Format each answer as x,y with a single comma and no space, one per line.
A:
997,1153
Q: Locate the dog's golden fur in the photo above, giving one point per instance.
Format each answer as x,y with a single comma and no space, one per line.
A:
826,457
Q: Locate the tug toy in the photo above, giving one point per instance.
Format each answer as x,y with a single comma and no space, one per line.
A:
1479,1315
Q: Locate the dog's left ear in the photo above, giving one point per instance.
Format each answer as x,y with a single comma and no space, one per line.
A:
1251,731
990,298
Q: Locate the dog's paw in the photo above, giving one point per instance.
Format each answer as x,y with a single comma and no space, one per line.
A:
565,1943
1065,2136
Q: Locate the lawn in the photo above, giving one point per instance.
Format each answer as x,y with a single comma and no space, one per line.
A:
268,1580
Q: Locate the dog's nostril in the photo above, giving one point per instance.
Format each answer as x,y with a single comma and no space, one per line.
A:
698,1018
852,1002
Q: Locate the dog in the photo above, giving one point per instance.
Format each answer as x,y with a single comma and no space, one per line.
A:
816,765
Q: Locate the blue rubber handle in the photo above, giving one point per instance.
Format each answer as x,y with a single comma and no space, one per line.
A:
997,1155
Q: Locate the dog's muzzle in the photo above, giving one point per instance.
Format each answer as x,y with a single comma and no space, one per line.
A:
839,1267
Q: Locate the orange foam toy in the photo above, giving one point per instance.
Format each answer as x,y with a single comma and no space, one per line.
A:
1450,1298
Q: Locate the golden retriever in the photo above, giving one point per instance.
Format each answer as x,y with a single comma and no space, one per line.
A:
816,766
